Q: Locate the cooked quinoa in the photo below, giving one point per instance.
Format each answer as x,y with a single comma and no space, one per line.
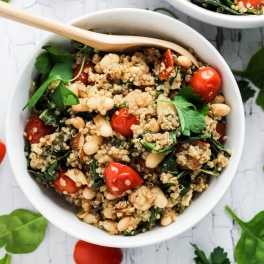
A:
82,144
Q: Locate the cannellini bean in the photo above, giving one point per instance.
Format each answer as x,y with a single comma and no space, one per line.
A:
127,223
81,107
90,219
153,159
184,61
161,200
168,218
220,109
77,176
109,213
108,59
97,102
109,196
77,122
164,108
103,127
88,193
92,144
142,198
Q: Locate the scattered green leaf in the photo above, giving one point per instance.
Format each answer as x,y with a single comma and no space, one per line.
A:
245,90
98,181
250,246
43,63
22,231
6,259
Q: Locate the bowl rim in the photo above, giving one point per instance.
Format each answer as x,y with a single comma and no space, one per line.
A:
217,19
122,242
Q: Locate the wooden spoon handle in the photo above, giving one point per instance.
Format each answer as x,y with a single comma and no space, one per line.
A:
31,19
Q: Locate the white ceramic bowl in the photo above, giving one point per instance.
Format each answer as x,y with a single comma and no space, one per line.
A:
51,205
217,19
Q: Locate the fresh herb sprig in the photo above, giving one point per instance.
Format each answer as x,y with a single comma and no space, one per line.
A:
191,119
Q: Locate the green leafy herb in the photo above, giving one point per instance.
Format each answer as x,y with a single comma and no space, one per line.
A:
6,259
43,63
251,242
190,119
169,164
255,69
218,147
7,1
50,118
218,256
97,180
184,139
155,212
22,231
57,55
62,96
245,90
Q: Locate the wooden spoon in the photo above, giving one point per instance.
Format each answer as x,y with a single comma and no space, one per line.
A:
104,42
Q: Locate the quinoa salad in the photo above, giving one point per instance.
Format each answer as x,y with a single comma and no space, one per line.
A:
232,7
128,139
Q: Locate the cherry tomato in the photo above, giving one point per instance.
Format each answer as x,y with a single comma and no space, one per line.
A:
65,183
206,82
121,122
87,253
119,178
220,128
83,77
169,65
254,3
2,150
36,129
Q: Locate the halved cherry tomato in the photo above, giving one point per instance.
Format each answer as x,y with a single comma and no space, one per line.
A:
254,3
119,178
65,183
220,128
36,129
122,121
206,82
169,65
87,253
83,77
2,150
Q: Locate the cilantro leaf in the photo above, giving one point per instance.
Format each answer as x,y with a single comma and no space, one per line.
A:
64,69
245,90
6,259
191,120
62,96
187,93
218,256
43,63
200,256
57,55
36,96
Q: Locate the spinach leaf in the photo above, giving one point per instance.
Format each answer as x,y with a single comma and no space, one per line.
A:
143,225
255,69
192,138
245,90
218,256
155,212
50,118
190,119
217,147
149,146
43,63
6,259
22,231
62,96
169,165
251,241
97,180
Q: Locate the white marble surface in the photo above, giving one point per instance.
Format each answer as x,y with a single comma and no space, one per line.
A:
245,195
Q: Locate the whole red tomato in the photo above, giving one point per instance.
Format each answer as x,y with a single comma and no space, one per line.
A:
206,82
65,183
87,253
122,121
2,150
119,178
36,129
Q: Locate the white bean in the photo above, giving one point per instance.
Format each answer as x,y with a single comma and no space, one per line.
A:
77,176
88,193
127,223
81,107
90,219
153,159
77,122
161,200
220,109
168,217
96,103
142,198
110,226
109,213
184,61
103,127
92,144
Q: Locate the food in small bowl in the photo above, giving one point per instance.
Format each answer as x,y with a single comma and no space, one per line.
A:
229,14
127,138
